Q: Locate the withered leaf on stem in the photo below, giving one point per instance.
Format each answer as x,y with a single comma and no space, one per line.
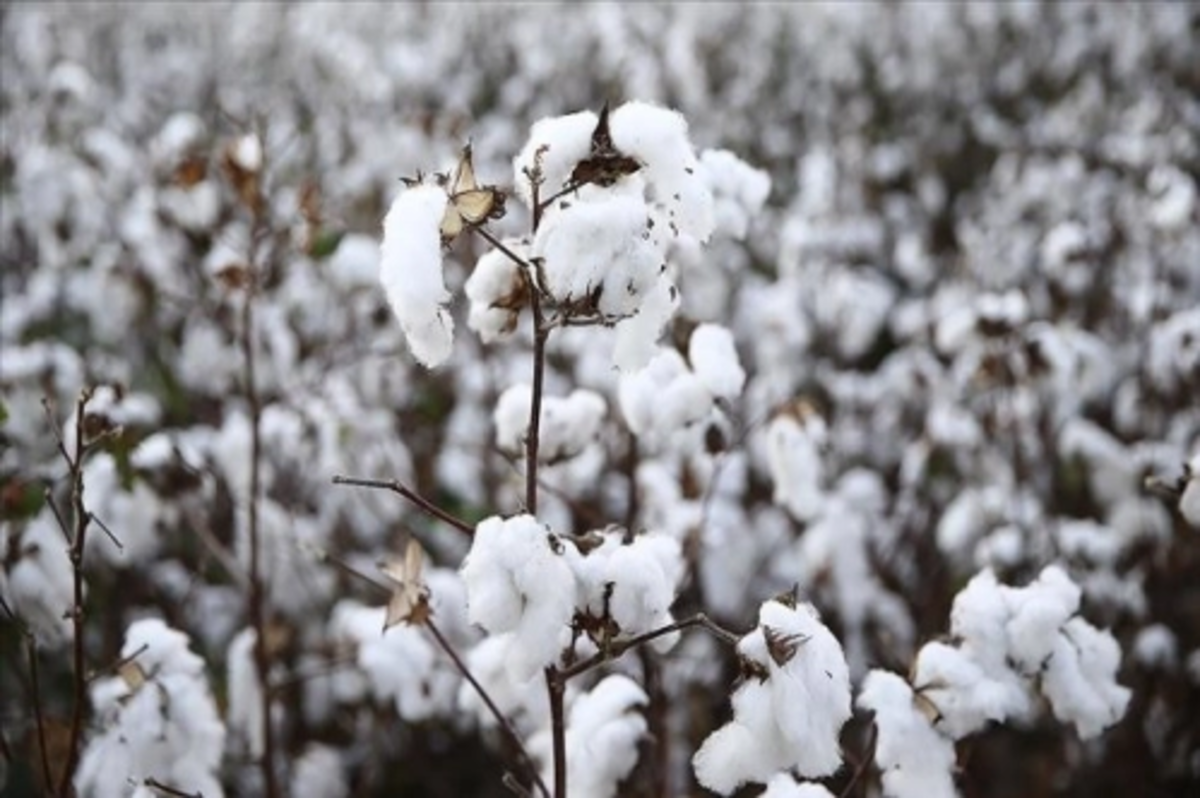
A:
410,597
470,204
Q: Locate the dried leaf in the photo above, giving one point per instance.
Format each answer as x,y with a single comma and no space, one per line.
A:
410,597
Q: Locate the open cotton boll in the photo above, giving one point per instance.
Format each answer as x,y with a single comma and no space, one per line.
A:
658,138
785,786
598,250
525,700
966,698
637,337
410,270
40,583
715,361
496,291
518,581
915,760
566,427
636,581
794,459
402,664
603,730
1037,612
739,190
560,142
1080,679
791,719
166,727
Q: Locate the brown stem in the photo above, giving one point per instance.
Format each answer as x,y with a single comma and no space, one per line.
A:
166,789
39,718
256,597
555,687
618,648
509,731
81,519
656,716
532,438
420,501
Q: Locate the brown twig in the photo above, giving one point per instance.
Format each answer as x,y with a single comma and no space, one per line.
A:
556,684
82,518
509,731
39,718
420,501
166,789
256,596
501,720
617,648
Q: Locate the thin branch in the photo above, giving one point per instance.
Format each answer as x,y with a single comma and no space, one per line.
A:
555,687
166,789
509,731
82,519
501,720
121,663
618,648
498,244
533,436
420,501
256,598
39,718
104,528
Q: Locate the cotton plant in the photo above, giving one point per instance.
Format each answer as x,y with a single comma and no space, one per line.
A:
790,708
156,720
1007,644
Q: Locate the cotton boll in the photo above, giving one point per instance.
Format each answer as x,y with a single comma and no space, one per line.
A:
1080,679
410,270
916,761
41,582
738,190
785,786
637,337
523,700
402,665
166,728
558,143
518,581
1036,613
965,696
598,251
658,137
496,290
730,757
791,719
566,427
715,361
794,457
602,735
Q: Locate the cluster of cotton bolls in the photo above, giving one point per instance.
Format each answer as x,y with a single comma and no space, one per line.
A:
899,299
